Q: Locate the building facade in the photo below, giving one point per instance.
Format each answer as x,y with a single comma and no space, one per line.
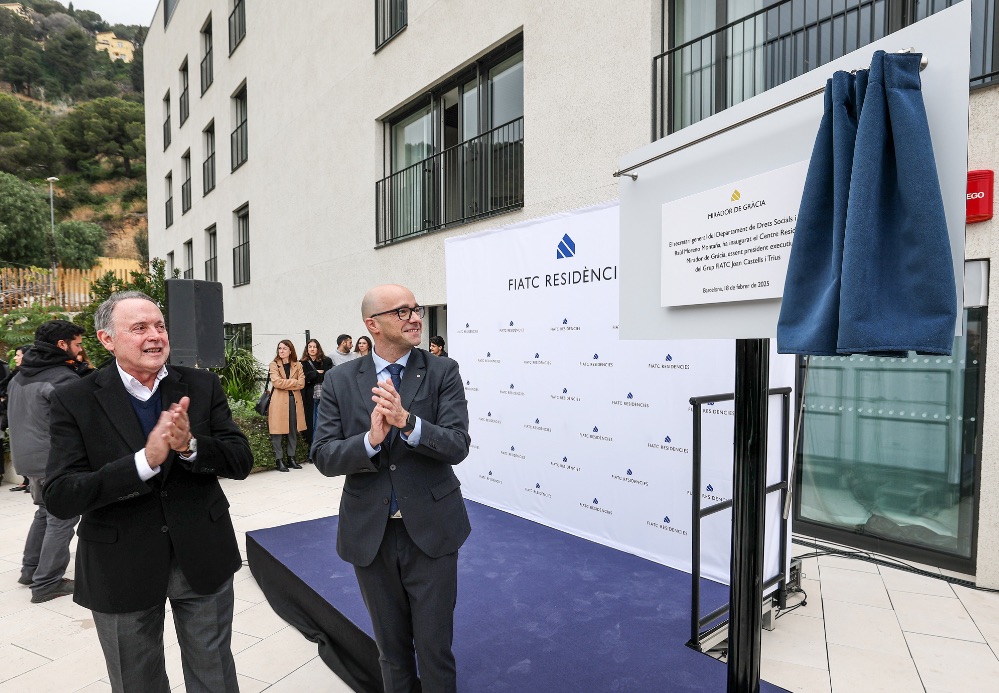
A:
303,157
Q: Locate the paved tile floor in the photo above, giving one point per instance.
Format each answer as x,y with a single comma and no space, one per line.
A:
865,627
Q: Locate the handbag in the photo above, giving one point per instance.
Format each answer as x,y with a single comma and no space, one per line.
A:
265,399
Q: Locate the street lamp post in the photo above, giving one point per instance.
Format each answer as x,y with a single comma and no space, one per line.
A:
51,180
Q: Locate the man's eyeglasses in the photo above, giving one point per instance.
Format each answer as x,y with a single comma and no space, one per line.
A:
404,313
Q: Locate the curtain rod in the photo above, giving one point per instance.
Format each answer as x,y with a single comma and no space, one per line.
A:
804,97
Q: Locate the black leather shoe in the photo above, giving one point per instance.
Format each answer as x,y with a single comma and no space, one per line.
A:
60,589
293,464
281,467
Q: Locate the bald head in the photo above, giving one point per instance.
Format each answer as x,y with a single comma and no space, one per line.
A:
385,297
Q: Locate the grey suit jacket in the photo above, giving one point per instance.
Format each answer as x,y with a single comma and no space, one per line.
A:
425,484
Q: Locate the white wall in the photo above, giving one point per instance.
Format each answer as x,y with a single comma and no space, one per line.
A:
316,92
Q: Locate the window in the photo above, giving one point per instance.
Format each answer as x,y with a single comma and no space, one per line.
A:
458,154
239,335
239,142
722,52
189,260
241,248
166,121
169,265
169,200
891,449
211,255
237,25
207,69
185,109
208,165
390,19
168,7
185,188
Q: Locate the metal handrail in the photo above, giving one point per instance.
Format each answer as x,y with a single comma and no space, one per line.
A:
698,513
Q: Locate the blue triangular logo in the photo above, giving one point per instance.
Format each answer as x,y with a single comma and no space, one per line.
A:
630,473
565,321
565,390
668,439
710,487
566,248
666,519
537,356
596,502
631,396
537,485
537,421
565,459
512,449
511,323
595,357
669,357
594,429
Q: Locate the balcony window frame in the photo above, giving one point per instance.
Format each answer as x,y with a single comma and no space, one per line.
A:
188,259
239,139
387,25
185,98
211,254
208,165
207,56
241,247
167,133
237,25
185,187
477,190
168,205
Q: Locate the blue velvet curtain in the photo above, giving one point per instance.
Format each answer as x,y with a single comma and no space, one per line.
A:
870,270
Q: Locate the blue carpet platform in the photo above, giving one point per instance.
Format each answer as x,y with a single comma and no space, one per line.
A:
538,610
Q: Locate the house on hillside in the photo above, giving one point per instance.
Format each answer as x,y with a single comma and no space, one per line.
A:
17,8
117,48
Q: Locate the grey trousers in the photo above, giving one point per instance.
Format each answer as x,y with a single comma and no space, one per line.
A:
46,549
133,642
292,436
411,598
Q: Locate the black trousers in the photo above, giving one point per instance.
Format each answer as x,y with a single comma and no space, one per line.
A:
410,598
292,431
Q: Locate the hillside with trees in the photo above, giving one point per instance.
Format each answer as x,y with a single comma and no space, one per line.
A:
69,111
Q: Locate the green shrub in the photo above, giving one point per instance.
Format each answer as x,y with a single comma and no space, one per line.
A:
241,374
254,427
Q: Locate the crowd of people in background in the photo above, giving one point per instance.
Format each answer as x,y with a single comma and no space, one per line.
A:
297,388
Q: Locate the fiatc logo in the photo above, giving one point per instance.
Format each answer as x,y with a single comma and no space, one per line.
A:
597,362
469,387
490,478
489,358
566,250
630,401
564,464
511,328
565,396
536,426
512,391
537,360
512,452
468,330
629,478
537,491
669,363
595,507
596,436
565,326
666,525
709,494
490,419
668,446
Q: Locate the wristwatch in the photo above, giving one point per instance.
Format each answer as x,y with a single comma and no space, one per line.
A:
410,424
192,447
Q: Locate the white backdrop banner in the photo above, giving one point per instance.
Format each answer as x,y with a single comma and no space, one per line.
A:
574,428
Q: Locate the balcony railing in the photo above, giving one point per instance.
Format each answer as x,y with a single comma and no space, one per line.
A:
208,174
189,273
185,196
390,19
166,133
207,71
169,212
771,46
185,106
477,178
237,25
239,146
211,270
241,264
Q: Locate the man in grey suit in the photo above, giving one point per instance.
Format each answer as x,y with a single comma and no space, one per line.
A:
394,422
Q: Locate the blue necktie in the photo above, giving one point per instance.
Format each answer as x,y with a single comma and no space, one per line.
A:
395,370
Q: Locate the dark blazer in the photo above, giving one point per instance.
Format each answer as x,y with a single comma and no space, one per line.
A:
425,484
129,525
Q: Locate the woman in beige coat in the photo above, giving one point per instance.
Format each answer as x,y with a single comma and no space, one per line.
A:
286,415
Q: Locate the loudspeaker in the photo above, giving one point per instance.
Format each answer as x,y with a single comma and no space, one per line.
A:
194,322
